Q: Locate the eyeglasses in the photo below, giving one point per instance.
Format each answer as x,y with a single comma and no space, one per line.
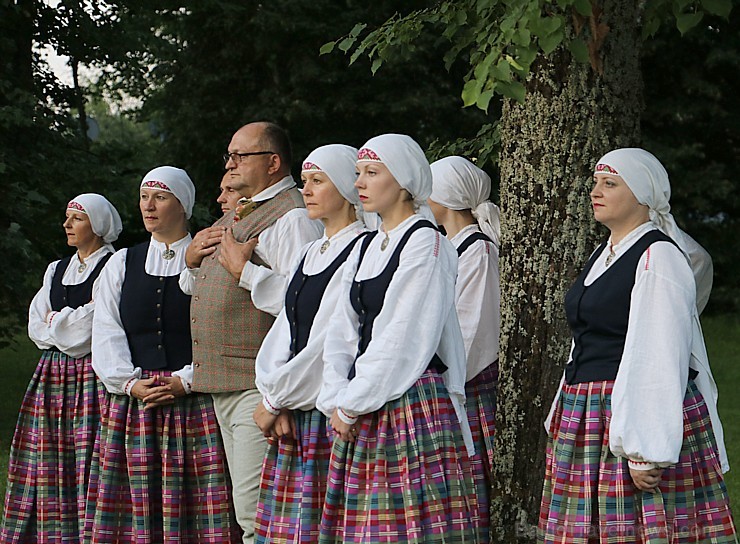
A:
238,157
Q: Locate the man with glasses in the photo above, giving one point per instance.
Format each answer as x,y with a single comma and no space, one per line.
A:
238,288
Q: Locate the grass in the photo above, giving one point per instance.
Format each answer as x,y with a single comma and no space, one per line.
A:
722,334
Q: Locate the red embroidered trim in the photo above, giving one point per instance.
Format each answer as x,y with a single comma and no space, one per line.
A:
156,185
366,154
647,260
347,415
270,405
605,168
436,244
311,166
640,462
72,205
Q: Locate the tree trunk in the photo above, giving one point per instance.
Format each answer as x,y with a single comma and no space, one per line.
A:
572,114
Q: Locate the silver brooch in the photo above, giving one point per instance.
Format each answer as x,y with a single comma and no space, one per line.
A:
81,268
168,254
610,257
324,247
384,243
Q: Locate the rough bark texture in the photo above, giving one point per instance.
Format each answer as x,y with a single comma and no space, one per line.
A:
572,115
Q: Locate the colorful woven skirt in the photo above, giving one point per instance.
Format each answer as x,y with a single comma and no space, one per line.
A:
294,480
407,476
50,456
480,394
589,496
161,474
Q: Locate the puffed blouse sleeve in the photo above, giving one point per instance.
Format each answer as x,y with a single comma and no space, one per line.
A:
408,329
69,330
279,379
647,401
111,357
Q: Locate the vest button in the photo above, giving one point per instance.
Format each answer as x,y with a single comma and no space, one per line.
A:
203,277
161,279
159,333
195,342
159,305
196,298
159,346
193,320
196,365
159,319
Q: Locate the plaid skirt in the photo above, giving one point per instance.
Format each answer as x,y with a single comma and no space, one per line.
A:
161,474
406,478
480,393
294,480
51,451
589,496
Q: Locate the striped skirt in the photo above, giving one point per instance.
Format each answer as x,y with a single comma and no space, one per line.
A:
480,393
407,476
161,474
50,456
589,496
293,484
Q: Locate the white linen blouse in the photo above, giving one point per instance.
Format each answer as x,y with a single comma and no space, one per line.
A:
418,319
70,329
295,383
478,301
111,358
663,341
278,245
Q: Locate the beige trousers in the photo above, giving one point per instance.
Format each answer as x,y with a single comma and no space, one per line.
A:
245,450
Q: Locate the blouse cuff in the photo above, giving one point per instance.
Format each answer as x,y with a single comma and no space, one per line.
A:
186,385
641,465
344,416
130,385
270,407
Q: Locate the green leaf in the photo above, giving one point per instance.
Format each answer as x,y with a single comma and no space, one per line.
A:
583,7
483,100
687,21
718,7
513,90
502,71
327,48
579,50
512,61
471,92
650,27
376,64
550,43
346,43
359,27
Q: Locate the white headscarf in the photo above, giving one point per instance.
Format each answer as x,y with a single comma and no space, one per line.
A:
406,162
648,180
172,180
458,184
104,218
338,162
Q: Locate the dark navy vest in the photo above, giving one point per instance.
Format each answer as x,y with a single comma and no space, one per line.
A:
73,296
470,240
598,314
367,296
156,316
304,296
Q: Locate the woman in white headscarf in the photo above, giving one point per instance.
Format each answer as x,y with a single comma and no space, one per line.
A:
161,472
459,201
53,443
394,369
634,428
290,362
